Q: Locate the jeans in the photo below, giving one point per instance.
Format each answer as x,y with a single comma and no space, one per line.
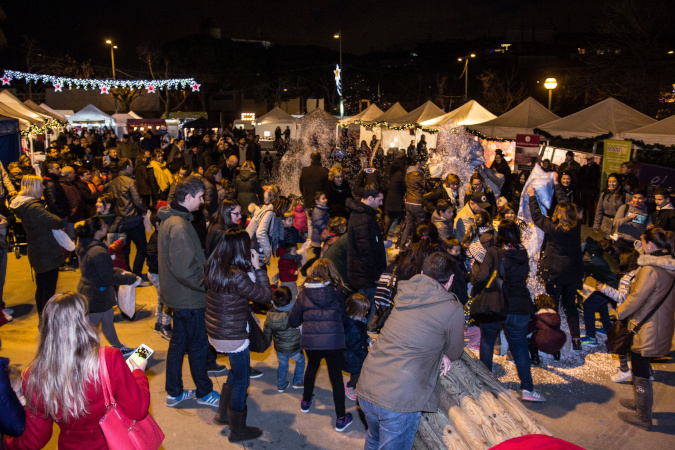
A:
45,288
568,294
189,335
136,234
283,358
369,293
414,214
388,430
596,302
334,360
162,312
238,378
515,328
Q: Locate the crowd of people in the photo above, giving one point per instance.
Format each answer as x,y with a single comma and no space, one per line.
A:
374,245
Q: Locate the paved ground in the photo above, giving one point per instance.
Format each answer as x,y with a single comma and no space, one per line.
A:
582,402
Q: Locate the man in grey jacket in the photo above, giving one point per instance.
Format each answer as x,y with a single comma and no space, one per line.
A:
181,263
400,376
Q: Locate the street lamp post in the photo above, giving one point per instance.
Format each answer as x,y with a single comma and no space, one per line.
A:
338,36
466,74
112,58
550,84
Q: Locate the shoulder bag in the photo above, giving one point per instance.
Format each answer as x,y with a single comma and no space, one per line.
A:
620,338
257,341
122,433
490,305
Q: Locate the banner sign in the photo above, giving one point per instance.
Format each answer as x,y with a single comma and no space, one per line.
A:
527,151
656,176
615,153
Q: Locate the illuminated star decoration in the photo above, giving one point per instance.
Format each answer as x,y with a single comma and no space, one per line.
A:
195,87
104,89
58,87
151,89
338,80
5,80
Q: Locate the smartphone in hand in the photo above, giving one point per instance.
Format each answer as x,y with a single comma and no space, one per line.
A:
142,353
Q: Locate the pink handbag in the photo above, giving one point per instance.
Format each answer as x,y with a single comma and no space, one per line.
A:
122,433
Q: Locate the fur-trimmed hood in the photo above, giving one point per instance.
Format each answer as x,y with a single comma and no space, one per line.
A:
664,262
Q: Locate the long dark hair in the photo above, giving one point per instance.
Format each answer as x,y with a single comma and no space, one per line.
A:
233,254
87,228
223,215
618,193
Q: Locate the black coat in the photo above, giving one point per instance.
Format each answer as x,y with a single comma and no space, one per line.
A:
561,260
366,255
152,253
664,219
337,199
430,199
248,188
395,193
313,179
356,345
98,275
44,252
320,309
368,176
55,197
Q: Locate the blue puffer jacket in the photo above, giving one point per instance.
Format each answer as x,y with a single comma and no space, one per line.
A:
356,340
320,309
13,417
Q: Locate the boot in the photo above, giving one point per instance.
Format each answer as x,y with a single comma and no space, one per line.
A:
534,353
644,400
238,430
556,356
221,415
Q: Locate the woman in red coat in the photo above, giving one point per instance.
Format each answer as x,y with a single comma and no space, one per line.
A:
62,383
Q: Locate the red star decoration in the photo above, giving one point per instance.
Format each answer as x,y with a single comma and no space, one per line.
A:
195,87
151,89
104,89
58,87
5,80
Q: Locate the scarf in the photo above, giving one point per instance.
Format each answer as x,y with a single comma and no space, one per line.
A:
162,175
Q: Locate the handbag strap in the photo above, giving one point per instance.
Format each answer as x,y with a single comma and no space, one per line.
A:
651,313
105,379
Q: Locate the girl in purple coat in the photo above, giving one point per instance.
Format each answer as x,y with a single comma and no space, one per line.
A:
545,328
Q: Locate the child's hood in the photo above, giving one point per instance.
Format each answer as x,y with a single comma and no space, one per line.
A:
550,319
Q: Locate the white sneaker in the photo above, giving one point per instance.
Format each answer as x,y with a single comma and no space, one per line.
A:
621,376
9,311
8,316
531,396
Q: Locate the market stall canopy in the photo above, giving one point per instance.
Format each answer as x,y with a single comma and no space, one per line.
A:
65,113
661,132
320,114
395,111
14,108
608,116
202,123
522,119
276,115
145,122
124,117
368,114
469,113
91,115
25,122
427,111
39,109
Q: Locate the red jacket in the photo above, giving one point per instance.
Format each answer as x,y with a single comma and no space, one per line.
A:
300,219
131,391
288,266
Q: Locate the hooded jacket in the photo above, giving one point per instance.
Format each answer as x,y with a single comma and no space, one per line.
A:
98,275
367,258
44,252
180,259
320,309
286,338
356,345
401,371
653,281
320,218
227,311
248,188
664,218
548,337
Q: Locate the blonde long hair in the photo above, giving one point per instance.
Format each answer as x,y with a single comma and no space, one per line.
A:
66,360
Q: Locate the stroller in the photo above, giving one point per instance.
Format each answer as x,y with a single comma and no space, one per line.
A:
16,239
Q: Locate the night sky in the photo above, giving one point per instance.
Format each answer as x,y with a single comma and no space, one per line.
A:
79,28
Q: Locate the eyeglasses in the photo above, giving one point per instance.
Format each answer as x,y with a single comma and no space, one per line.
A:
236,213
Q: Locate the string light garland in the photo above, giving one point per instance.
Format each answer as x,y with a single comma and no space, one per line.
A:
49,125
104,85
409,126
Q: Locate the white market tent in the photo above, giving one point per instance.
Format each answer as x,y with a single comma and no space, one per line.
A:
266,124
121,119
39,109
65,113
522,119
469,113
367,115
608,116
661,132
91,116
12,107
402,138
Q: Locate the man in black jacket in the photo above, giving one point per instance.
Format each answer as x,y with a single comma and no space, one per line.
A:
589,186
313,179
129,206
664,215
55,196
366,256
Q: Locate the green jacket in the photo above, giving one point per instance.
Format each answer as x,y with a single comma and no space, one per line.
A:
181,260
286,338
